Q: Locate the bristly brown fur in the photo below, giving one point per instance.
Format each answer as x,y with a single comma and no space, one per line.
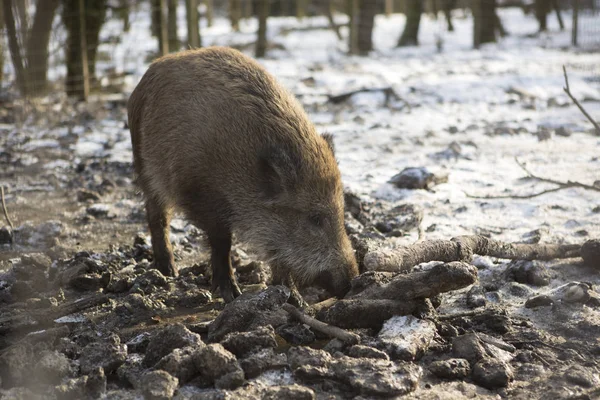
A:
215,136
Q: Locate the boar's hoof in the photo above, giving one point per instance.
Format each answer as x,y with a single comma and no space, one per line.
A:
167,269
229,288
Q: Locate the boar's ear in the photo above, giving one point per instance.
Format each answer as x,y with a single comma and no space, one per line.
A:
278,171
329,139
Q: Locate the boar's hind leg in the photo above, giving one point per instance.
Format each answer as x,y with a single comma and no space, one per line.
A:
159,219
222,271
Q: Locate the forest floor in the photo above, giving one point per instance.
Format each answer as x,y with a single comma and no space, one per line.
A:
81,312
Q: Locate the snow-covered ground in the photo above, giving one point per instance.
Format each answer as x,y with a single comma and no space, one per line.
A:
456,96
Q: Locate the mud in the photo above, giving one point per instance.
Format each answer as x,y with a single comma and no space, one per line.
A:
82,314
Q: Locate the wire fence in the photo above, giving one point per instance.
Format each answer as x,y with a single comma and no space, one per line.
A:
49,36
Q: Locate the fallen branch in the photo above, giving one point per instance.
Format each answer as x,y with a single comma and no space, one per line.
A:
462,248
403,295
36,318
366,313
5,210
332,331
568,92
387,91
439,279
561,185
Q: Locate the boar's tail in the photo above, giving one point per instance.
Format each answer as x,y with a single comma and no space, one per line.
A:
135,106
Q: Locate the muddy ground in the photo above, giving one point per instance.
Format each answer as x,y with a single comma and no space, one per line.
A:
82,314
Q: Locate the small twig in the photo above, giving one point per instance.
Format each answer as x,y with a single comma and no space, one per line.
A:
329,330
561,186
514,196
12,227
560,183
568,92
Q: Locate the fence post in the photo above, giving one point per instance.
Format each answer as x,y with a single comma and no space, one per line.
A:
575,22
85,70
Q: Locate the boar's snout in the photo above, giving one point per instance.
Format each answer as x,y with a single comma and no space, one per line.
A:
338,281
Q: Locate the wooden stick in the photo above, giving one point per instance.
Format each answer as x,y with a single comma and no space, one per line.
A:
462,248
329,330
568,92
5,210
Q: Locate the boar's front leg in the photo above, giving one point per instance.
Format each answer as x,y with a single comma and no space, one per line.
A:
222,271
281,276
159,218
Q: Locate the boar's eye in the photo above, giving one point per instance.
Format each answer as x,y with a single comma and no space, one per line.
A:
316,219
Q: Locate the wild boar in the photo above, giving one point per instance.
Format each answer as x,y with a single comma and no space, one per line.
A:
216,137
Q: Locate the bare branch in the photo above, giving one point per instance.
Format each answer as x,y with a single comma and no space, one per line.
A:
329,330
568,92
561,186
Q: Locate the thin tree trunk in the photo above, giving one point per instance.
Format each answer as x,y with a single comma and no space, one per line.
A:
366,20
194,38
485,22
85,70
124,14
172,26
23,17
300,9
389,7
329,12
164,28
93,18
447,6
353,10
575,24
247,9
542,9
261,41
37,45
556,7
235,12
210,10
1,46
410,35
13,46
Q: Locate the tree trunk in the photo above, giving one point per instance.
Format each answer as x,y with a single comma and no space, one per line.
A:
235,12
389,7
172,26
123,12
485,22
23,17
193,24
366,20
37,45
156,24
247,9
1,46
542,8
95,13
410,35
447,6
210,11
556,7
300,9
13,46
353,10
261,41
